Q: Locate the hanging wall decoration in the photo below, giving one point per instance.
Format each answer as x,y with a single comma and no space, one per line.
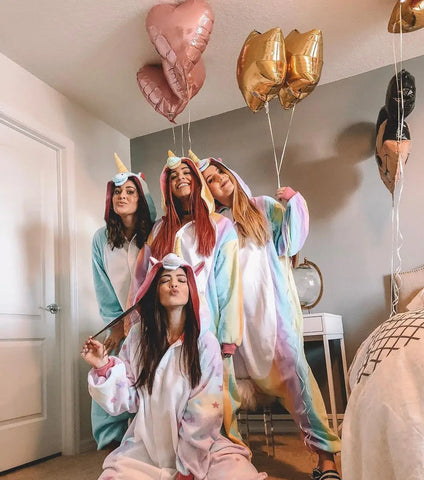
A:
393,146
400,95
393,141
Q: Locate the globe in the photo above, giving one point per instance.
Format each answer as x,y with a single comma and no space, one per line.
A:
309,285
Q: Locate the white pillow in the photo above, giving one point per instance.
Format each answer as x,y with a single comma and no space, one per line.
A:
409,284
417,303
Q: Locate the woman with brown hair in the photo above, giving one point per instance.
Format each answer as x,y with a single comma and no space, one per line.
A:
169,373
129,216
272,352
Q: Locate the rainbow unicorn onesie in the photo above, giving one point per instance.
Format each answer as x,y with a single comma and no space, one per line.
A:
219,285
272,352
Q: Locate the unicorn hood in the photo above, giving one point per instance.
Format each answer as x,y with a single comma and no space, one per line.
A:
206,162
173,162
119,179
172,262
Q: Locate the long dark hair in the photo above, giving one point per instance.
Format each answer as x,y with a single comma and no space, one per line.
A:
143,223
163,243
154,342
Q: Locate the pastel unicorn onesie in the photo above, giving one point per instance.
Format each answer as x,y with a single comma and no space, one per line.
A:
113,269
219,284
176,430
272,352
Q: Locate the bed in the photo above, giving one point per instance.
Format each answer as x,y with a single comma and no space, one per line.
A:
383,428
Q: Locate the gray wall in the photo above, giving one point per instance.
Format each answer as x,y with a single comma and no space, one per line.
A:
330,160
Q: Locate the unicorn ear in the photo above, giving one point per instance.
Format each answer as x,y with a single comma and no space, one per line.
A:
198,268
171,153
194,157
119,165
153,261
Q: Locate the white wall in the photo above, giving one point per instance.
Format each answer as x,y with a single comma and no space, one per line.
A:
41,107
330,159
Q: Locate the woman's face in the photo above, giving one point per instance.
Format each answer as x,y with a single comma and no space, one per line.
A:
173,288
125,199
220,185
180,180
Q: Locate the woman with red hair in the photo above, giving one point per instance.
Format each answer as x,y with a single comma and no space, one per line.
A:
191,229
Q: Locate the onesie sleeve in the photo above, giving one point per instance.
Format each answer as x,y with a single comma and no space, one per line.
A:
228,288
290,225
114,389
107,300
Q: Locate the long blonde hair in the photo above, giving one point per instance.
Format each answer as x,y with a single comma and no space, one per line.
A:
251,223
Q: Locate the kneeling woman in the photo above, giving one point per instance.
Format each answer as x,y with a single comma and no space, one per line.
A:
170,374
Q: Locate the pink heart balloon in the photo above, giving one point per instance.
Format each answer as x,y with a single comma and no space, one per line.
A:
155,88
180,34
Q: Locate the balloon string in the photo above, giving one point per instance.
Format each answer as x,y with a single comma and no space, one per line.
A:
182,140
285,141
397,238
173,134
188,126
397,243
273,142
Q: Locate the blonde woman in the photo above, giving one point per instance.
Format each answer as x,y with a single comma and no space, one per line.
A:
272,352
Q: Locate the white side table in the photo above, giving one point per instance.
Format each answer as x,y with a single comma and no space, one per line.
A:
326,327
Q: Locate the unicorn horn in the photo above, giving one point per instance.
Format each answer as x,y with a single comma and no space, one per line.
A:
194,157
119,165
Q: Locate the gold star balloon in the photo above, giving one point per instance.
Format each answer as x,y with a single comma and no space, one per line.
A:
261,67
409,14
304,54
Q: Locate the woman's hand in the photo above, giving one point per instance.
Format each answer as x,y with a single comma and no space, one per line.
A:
94,353
284,193
113,341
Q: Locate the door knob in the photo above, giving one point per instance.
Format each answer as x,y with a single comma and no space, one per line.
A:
52,308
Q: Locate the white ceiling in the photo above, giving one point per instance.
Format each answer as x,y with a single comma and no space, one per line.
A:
90,50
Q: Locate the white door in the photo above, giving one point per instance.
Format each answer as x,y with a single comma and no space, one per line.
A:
30,393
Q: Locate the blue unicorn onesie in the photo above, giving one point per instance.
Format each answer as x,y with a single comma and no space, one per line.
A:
112,272
272,353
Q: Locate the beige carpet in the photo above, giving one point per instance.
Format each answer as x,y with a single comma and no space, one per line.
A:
291,462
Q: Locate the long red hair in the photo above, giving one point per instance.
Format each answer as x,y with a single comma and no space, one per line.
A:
171,222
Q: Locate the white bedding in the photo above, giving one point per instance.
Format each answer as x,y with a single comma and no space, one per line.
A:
383,428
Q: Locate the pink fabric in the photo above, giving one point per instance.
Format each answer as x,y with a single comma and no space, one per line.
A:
229,348
180,476
288,194
102,371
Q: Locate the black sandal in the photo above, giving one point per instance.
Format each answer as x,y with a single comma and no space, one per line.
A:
326,475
